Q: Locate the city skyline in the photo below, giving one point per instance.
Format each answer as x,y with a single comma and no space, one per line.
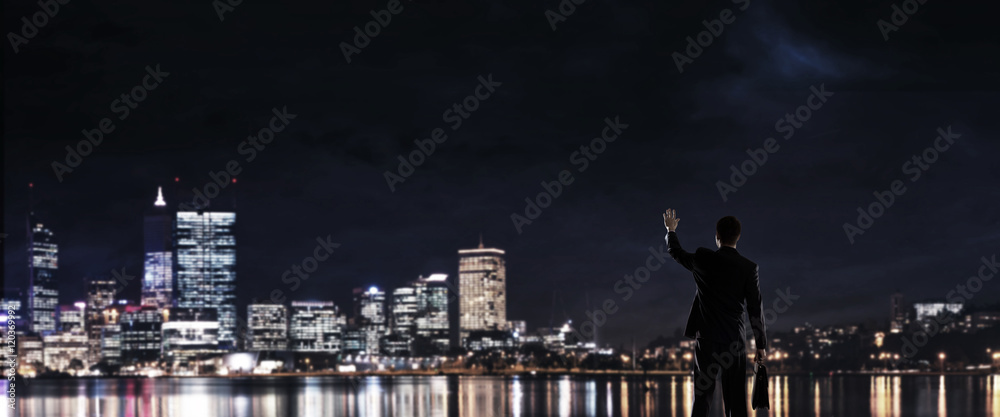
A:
161,208
112,333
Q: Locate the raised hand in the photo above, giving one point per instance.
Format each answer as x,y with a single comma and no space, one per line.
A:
670,220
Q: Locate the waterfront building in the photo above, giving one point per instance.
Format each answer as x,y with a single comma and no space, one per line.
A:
482,289
268,327
316,326
157,273
205,267
43,262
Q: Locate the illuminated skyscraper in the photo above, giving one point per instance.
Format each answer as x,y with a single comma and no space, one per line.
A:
43,261
316,327
482,290
157,277
404,310
369,316
431,325
268,325
100,295
111,334
205,267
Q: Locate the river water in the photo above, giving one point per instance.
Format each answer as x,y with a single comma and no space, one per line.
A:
487,396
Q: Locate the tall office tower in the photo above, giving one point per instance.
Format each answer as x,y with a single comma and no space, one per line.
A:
157,274
205,267
110,334
100,295
268,327
369,316
316,326
71,317
43,261
482,290
141,336
404,311
897,313
431,325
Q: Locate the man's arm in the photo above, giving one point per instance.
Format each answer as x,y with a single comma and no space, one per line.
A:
755,304
674,248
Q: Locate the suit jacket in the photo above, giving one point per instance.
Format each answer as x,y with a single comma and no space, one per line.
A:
726,283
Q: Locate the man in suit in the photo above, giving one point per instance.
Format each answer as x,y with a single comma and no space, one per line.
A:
726,281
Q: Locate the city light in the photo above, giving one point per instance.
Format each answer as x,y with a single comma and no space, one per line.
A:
438,277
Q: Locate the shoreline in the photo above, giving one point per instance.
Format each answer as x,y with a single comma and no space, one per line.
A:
520,373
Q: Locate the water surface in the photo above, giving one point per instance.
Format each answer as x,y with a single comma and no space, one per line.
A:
955,396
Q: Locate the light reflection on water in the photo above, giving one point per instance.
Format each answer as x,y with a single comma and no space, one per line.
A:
887,396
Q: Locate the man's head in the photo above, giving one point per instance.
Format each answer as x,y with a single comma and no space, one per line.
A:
727,231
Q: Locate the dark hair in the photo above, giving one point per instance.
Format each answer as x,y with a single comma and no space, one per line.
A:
728,229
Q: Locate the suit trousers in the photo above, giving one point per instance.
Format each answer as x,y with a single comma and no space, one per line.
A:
712,361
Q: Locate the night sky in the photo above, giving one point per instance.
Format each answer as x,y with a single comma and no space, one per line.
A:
324,175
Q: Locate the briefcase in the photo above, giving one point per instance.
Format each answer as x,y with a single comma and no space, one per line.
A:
759,397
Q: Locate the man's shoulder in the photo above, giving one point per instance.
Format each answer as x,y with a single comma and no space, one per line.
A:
704,252
738,259
747,262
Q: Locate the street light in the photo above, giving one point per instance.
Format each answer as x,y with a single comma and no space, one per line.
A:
941,356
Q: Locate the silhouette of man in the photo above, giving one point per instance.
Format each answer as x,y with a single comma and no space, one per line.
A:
725,281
